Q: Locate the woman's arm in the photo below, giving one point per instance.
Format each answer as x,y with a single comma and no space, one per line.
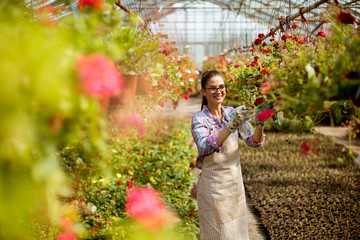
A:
223,135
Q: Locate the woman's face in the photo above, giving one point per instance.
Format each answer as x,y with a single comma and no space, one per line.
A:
212,92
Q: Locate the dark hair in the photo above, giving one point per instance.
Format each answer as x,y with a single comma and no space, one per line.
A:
205,77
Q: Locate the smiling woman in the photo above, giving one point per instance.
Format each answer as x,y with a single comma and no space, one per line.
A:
220,192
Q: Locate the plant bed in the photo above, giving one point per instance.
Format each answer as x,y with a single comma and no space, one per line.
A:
160,159
310,195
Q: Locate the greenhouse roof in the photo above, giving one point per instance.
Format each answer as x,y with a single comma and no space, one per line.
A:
212,26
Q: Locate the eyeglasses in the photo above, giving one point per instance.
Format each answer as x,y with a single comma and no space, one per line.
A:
221,88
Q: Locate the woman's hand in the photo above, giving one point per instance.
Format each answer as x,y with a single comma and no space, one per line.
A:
240,115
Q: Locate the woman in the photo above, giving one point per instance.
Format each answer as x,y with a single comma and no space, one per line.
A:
220,192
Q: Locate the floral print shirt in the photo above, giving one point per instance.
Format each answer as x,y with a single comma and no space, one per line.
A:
205,130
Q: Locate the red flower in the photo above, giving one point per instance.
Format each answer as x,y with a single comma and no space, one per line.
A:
321,34
130,184
119,182
186,97
301,41
97,4
191,214
272,39
264,115
98,75
264,44
253,64
261,35
305,149
256,58
264,70
66,236
258,41
294,26
283,37
145,207
346,17
258,101
272,33
144,174
251,50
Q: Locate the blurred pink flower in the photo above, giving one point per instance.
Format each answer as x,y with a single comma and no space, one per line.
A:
236,66
98,75
145,207
66,236
264,115
66,224
97,4
265,88
135,120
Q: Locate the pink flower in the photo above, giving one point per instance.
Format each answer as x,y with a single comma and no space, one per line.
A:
98,75
66,236
282,64
186,97
145,207
305,149
66,224
236,66
284,50
136,121
264,115
97,4
265,88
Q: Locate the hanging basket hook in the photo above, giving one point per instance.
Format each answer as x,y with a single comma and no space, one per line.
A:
303,19
281,22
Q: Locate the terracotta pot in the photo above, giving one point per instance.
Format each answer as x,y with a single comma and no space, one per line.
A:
143,86
104,102
128,93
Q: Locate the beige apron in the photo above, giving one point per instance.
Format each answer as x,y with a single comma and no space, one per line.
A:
221,194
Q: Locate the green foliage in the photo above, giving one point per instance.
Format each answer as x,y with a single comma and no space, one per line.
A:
304,73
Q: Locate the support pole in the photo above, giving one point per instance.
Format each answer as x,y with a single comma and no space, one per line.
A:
304,10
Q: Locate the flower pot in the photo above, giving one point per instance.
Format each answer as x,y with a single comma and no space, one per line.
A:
143,86
128,93
104,102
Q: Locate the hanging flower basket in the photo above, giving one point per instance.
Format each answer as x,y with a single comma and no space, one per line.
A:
128,93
